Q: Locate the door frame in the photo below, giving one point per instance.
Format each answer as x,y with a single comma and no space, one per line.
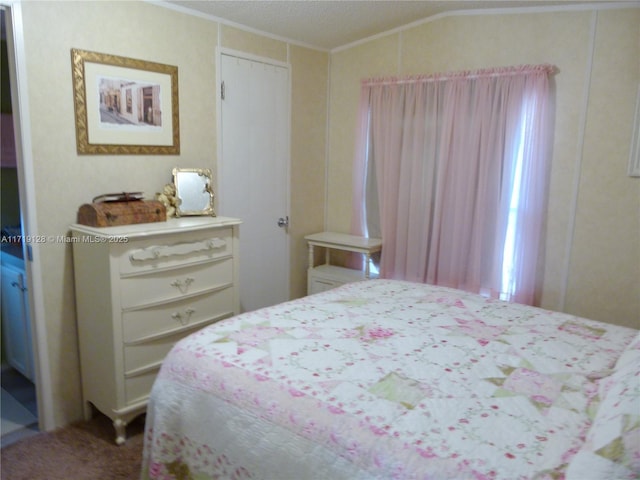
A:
220,51
26,185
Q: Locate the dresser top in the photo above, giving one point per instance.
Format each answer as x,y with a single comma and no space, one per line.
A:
172,225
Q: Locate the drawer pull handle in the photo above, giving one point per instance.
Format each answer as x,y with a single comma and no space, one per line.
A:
157,252
184,320
183,286
216,243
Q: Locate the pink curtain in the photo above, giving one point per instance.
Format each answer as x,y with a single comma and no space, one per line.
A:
461,163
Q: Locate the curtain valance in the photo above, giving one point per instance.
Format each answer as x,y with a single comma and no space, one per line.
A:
464,74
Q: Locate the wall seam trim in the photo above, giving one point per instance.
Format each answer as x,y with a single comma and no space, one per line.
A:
578,163
327,147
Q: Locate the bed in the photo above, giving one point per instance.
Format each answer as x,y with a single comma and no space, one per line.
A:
387,379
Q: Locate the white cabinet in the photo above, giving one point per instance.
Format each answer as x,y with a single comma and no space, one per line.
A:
139,289
326,276
15,316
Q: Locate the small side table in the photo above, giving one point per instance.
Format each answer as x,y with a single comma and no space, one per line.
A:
327,276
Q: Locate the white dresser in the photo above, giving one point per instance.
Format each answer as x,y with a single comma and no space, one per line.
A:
139,289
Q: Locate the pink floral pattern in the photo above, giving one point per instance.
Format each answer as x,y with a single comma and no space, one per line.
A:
381,379
612,446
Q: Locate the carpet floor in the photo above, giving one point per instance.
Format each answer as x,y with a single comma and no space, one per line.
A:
81,451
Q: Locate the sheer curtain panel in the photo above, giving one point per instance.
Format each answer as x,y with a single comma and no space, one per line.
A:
455,167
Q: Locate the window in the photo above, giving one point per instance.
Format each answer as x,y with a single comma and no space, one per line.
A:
508,279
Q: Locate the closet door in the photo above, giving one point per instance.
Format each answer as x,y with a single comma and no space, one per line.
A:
253,182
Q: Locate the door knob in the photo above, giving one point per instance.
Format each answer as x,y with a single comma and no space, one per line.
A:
283,222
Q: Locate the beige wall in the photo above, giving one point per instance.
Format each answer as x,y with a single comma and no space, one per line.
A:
308,150
592,250
64,180
605,255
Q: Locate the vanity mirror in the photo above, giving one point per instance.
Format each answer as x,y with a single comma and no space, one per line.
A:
194,191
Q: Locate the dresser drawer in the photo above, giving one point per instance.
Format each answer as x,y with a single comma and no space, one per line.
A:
137,387
176,250
181,314
142,363
150,354
167,285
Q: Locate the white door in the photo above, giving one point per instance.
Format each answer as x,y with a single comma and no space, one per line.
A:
253,175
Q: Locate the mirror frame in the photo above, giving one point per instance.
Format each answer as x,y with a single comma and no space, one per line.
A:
208,189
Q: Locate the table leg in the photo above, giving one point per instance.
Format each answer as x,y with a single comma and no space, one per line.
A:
367,259
311,259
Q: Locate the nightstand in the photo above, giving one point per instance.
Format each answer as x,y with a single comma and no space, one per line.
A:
326,276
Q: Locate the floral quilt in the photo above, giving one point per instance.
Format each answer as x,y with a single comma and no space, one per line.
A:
388,379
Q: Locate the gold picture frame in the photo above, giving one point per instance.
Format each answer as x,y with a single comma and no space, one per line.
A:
124,106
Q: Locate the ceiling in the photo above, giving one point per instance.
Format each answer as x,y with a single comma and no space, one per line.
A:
327,24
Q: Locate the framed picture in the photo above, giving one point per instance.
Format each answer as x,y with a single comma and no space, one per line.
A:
124,106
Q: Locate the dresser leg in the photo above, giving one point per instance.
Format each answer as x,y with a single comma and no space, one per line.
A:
121,430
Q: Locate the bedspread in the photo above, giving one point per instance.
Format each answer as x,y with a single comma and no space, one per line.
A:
388,379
